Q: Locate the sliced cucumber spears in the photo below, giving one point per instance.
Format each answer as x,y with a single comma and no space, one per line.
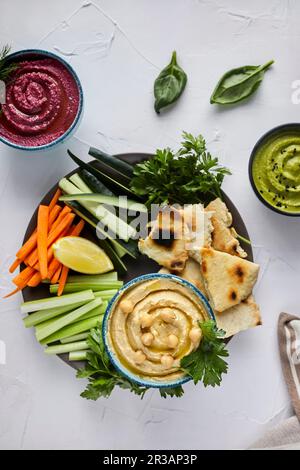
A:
123,168
102,176
124,203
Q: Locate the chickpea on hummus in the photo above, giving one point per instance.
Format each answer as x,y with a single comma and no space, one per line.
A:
153,325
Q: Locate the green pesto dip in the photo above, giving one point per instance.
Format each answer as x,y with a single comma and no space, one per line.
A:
276,171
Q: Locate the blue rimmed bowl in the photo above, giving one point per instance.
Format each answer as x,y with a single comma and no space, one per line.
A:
28,54
106,320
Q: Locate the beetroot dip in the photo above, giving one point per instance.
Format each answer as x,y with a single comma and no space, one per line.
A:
42,101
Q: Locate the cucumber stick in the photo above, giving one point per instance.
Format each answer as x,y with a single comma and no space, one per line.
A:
74,329
65,348
123,168
101,175
52,302
120,201
65,320
106,245
106,217
94,183
43,315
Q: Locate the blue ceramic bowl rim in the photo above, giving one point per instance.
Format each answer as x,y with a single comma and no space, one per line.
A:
74,124
113,358
259,143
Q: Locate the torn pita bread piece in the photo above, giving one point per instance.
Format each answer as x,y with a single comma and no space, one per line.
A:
228,279
166,242
191,273
200,227
239,318
224,236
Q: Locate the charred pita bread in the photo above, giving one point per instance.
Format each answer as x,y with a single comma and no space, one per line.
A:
228,279
166,242
192,273
224,236
239,318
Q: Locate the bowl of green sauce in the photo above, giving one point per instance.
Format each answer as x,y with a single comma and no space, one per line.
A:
274,169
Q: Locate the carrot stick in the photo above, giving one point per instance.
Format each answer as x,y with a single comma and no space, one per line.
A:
54,264
12,293
55,277
64,233
23,277
66,210
30,244
62,280
53,235
15,264
42,236
55,198
35,280
75,232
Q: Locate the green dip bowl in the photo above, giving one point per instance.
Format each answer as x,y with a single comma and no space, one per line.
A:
274,169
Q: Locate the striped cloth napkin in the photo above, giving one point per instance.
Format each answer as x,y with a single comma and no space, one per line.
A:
287,434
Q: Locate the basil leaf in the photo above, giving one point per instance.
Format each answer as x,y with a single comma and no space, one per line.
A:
237,84
169,85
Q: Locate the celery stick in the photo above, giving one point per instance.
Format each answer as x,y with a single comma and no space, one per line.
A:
43,315
51,302
65,348
65,320
71,339
87,278
78,355
74,329
95,286
96,311
105,294
99,310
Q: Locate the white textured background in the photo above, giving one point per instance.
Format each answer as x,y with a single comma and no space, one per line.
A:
117,47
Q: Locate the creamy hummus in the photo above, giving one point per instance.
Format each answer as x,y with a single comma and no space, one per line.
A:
42,100
276,171
153,326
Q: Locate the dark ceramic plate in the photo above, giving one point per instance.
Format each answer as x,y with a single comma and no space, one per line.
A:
136,267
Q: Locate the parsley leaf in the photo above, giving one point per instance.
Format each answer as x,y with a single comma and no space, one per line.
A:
101,374
206,363
171,391
188,176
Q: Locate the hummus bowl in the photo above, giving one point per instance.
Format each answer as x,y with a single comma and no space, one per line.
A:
274,169
43,101
151,324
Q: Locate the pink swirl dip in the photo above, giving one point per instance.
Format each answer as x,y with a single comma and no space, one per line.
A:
42,101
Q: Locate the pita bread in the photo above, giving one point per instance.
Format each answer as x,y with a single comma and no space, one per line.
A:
191,273
228,279
224,236
239,318
200,228
166,242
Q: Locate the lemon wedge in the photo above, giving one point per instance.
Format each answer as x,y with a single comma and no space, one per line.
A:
82,255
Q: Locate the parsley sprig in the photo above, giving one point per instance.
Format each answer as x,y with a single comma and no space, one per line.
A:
102,376
188,176
206,363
